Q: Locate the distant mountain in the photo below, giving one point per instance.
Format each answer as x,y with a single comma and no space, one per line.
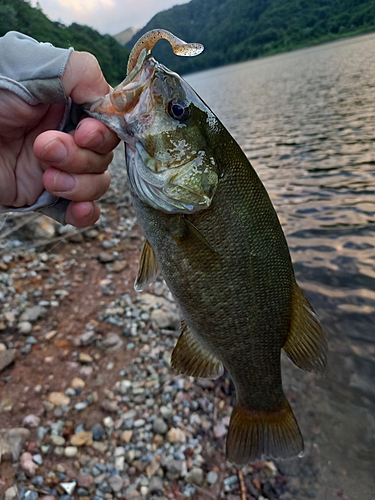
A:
18,15
125,36
236,30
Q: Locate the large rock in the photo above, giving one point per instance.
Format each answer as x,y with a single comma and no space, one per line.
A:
11,442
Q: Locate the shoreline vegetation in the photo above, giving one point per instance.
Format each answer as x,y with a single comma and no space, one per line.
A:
238,30
231,30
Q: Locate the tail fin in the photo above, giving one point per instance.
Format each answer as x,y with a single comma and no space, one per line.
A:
255,435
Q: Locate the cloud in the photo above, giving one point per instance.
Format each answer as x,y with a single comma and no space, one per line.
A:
106,16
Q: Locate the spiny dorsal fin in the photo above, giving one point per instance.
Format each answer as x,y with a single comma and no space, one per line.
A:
190,358
306,345
148,267
257,434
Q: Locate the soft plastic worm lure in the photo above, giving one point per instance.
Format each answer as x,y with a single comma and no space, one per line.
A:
149,39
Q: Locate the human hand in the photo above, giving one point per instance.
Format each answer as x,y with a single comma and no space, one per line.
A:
35,156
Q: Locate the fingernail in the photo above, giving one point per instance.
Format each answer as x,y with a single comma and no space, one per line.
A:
88,209
94,140
55,152
63,182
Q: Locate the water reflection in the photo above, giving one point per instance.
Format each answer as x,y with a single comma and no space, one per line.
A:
306,120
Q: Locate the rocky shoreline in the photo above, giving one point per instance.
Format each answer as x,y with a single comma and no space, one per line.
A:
90,407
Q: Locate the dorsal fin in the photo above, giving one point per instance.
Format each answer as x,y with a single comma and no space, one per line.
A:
306,345
190,358
148,267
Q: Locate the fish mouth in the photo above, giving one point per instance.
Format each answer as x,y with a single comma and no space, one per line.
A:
112,108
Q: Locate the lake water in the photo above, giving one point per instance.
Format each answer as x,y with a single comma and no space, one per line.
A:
306,120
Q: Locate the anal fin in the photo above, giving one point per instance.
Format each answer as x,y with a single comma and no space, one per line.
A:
190,358
148,267
258,434
306,345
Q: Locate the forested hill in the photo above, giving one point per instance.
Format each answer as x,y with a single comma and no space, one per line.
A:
20,16
236,30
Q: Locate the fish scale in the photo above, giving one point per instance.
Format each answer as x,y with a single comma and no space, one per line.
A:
211,229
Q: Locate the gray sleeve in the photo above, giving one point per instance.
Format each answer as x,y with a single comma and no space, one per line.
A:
33,71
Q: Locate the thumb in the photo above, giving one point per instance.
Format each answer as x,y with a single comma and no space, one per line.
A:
83,79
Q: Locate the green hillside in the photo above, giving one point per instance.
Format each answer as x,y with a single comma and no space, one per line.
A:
236,30
20,16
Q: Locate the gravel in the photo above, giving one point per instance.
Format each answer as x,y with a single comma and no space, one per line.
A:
87,372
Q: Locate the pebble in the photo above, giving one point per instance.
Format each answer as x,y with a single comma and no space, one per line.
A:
58,399
195,476
85,339
38,459
57,440
82,405
33,314
176,435
85,358
11,493
212,477
156,485
83,438
69,487
27,464
77,383
106,257
97,432
6,358
220,431
70,451
37,481
112,342
24,327
85,480
159,426
31,341
31,421
31,495
126,436
108,422
116,483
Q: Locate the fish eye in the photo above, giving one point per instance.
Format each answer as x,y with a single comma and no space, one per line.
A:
179,110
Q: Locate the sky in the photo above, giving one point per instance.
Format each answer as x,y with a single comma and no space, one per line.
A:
106,16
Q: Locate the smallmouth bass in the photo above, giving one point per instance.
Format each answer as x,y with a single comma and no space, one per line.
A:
212,230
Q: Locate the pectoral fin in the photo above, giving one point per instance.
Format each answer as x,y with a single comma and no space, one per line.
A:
306,345
189,357
148,267
189,233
